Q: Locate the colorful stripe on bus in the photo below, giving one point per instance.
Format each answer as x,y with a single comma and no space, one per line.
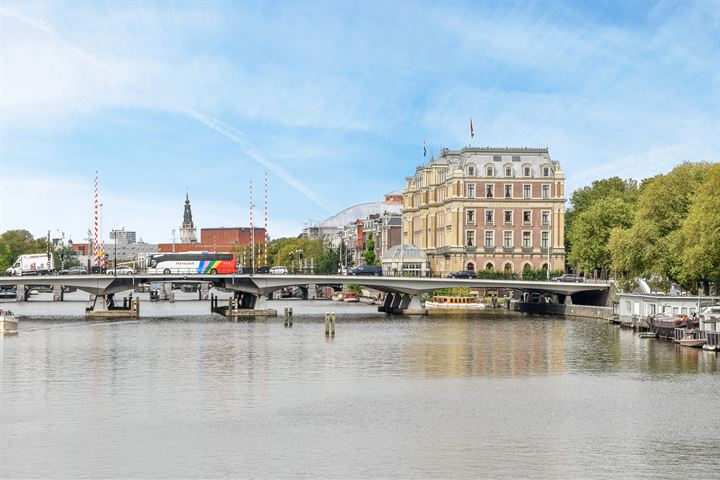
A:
207,266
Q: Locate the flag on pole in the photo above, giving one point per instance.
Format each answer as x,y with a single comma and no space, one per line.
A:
472,132
424,149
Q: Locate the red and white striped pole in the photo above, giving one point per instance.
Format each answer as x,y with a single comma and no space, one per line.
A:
96,249
252,231
265,243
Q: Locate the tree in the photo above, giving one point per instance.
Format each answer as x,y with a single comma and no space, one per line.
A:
700,234
369,255
14,243
591,229
653,245
584,198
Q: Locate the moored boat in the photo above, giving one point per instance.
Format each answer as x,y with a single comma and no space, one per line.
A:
665,323
8,322
453,305
648,335
689,340
350,297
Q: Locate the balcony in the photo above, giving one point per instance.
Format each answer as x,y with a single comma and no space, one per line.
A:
489,249
527,249
508,249
470,249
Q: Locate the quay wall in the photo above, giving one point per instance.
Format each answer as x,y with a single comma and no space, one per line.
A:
589,311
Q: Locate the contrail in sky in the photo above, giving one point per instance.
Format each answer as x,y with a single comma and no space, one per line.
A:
225,129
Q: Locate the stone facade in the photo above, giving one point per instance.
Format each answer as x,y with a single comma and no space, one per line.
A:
187,229
487,208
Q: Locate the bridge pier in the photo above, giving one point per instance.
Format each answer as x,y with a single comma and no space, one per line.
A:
402,304
22,292
243,304
104,307
58,293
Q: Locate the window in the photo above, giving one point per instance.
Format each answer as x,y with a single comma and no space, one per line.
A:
527,242
508,191
489,266
497,158
526,191
471,170
443,176
489,171
470,190
470,238
546,191
507,217
471,216
470,266
508,239
546,171
545,217
489,216
544,239
489,238
515,158
489,190
527,217
508,171
526,170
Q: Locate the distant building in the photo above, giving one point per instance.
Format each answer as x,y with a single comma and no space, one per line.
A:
187,229
487,208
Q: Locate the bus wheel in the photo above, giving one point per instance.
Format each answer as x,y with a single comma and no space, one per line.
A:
213,272
166,271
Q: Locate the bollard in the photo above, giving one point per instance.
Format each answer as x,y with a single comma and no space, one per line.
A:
290,317
332,324
327,324
286,317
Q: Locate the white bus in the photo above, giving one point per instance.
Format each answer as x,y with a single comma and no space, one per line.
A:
191,262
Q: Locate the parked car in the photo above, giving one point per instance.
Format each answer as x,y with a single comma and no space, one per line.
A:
121,270
374,270
279,270
78,270
470,274
569,277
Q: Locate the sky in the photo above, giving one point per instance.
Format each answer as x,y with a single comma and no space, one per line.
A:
333,99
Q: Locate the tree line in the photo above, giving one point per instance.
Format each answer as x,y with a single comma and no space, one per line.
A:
665,228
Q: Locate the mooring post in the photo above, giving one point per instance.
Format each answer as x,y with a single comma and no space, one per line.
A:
327,323
290,316
285,317
332,324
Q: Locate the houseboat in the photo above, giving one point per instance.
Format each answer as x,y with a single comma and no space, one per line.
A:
443,305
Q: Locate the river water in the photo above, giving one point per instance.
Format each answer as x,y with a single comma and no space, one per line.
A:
496,397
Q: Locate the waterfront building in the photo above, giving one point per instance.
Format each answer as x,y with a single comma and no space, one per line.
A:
640,305
219,239
187,229
405,261
487,208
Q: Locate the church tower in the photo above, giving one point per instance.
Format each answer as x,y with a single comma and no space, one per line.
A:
187,230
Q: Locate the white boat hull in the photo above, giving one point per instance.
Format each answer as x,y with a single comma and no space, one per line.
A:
8,324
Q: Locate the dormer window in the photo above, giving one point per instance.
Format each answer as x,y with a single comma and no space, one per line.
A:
471,171
489,171
526,170
508,171
546,171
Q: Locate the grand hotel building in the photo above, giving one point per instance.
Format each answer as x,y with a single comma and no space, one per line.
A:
487,208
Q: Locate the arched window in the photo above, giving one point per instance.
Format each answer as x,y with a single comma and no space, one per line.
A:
508,267
489,266
470,266
527,266
545,266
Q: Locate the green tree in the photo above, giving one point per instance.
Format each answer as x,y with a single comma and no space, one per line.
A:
14,243
653,245
369,255
700,234
590,232
584,198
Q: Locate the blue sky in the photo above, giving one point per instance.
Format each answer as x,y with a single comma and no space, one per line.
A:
334,99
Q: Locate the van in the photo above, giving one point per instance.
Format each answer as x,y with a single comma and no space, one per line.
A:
373,270
32,264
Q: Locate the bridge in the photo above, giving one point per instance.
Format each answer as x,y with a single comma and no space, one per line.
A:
251,291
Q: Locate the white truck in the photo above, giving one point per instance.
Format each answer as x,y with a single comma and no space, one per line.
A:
32,264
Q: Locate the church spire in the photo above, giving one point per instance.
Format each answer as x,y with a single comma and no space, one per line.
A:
187,230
